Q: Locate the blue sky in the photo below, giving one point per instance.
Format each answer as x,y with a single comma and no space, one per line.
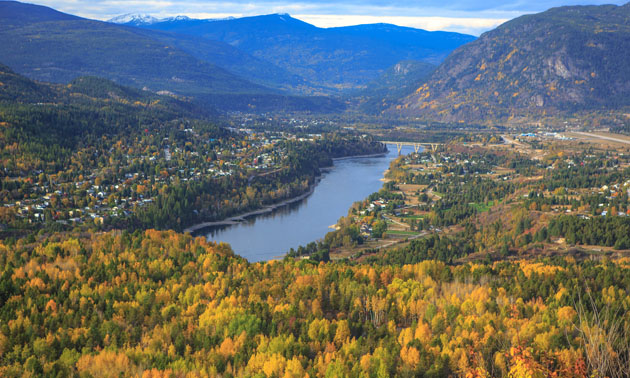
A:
466,16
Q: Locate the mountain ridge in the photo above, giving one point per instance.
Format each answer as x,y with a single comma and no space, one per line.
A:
134,19
293,57
51,46
554,63
338,59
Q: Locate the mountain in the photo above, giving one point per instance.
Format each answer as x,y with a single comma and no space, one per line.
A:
561,61
134,19
137,19
49,121
17,88
234,60
335,59
14,14
47,45
398,81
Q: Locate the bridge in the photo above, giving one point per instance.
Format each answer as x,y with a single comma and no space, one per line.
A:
416,145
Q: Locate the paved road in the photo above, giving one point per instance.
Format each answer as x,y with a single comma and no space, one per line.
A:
509,140
625,141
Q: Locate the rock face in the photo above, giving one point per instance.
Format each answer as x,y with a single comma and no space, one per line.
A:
560,61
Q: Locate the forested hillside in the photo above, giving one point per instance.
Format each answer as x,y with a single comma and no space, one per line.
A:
46,123
47,45
234,60
331,60
398,81
164,304
487,252
93,149
563,61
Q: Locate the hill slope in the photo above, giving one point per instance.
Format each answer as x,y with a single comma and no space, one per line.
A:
334,58
47,45
398,81
233,60
17,88
81,97
44,126
556,62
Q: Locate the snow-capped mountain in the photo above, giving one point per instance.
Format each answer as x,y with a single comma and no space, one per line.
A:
134,19
176,18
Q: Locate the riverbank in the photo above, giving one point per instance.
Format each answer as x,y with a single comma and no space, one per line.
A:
380,154
269,208
265,210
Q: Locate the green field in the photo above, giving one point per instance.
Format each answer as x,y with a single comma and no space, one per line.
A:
482,207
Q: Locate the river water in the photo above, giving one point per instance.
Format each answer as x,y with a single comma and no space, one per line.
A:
270,236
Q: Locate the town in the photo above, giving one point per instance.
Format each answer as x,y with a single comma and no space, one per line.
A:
115,183
505,182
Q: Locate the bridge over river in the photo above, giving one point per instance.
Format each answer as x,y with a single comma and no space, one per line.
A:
416,145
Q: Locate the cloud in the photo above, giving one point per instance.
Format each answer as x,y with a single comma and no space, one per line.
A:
470,16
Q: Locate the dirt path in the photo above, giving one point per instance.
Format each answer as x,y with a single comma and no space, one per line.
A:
387,245
403,225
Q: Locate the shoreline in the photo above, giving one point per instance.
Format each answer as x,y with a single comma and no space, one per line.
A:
380,154
236,219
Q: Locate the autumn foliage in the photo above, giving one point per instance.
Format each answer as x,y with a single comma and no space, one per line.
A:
158,304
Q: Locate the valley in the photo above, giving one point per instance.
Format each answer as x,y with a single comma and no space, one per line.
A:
258,196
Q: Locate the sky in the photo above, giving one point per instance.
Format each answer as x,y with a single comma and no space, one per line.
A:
464,16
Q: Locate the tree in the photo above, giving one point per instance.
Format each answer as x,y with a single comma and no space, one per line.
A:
605,338
378,228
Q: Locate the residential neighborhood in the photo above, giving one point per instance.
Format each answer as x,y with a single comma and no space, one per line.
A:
138,170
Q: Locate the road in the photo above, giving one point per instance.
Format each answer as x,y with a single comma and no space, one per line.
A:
509,140
397,222
624,141
423,233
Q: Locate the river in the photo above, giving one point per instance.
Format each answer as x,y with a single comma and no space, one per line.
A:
270,236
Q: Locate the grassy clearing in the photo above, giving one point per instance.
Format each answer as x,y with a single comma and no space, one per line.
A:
482,207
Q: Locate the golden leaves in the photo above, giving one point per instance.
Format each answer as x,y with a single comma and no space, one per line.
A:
410,356
509,55
107,364
566,314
